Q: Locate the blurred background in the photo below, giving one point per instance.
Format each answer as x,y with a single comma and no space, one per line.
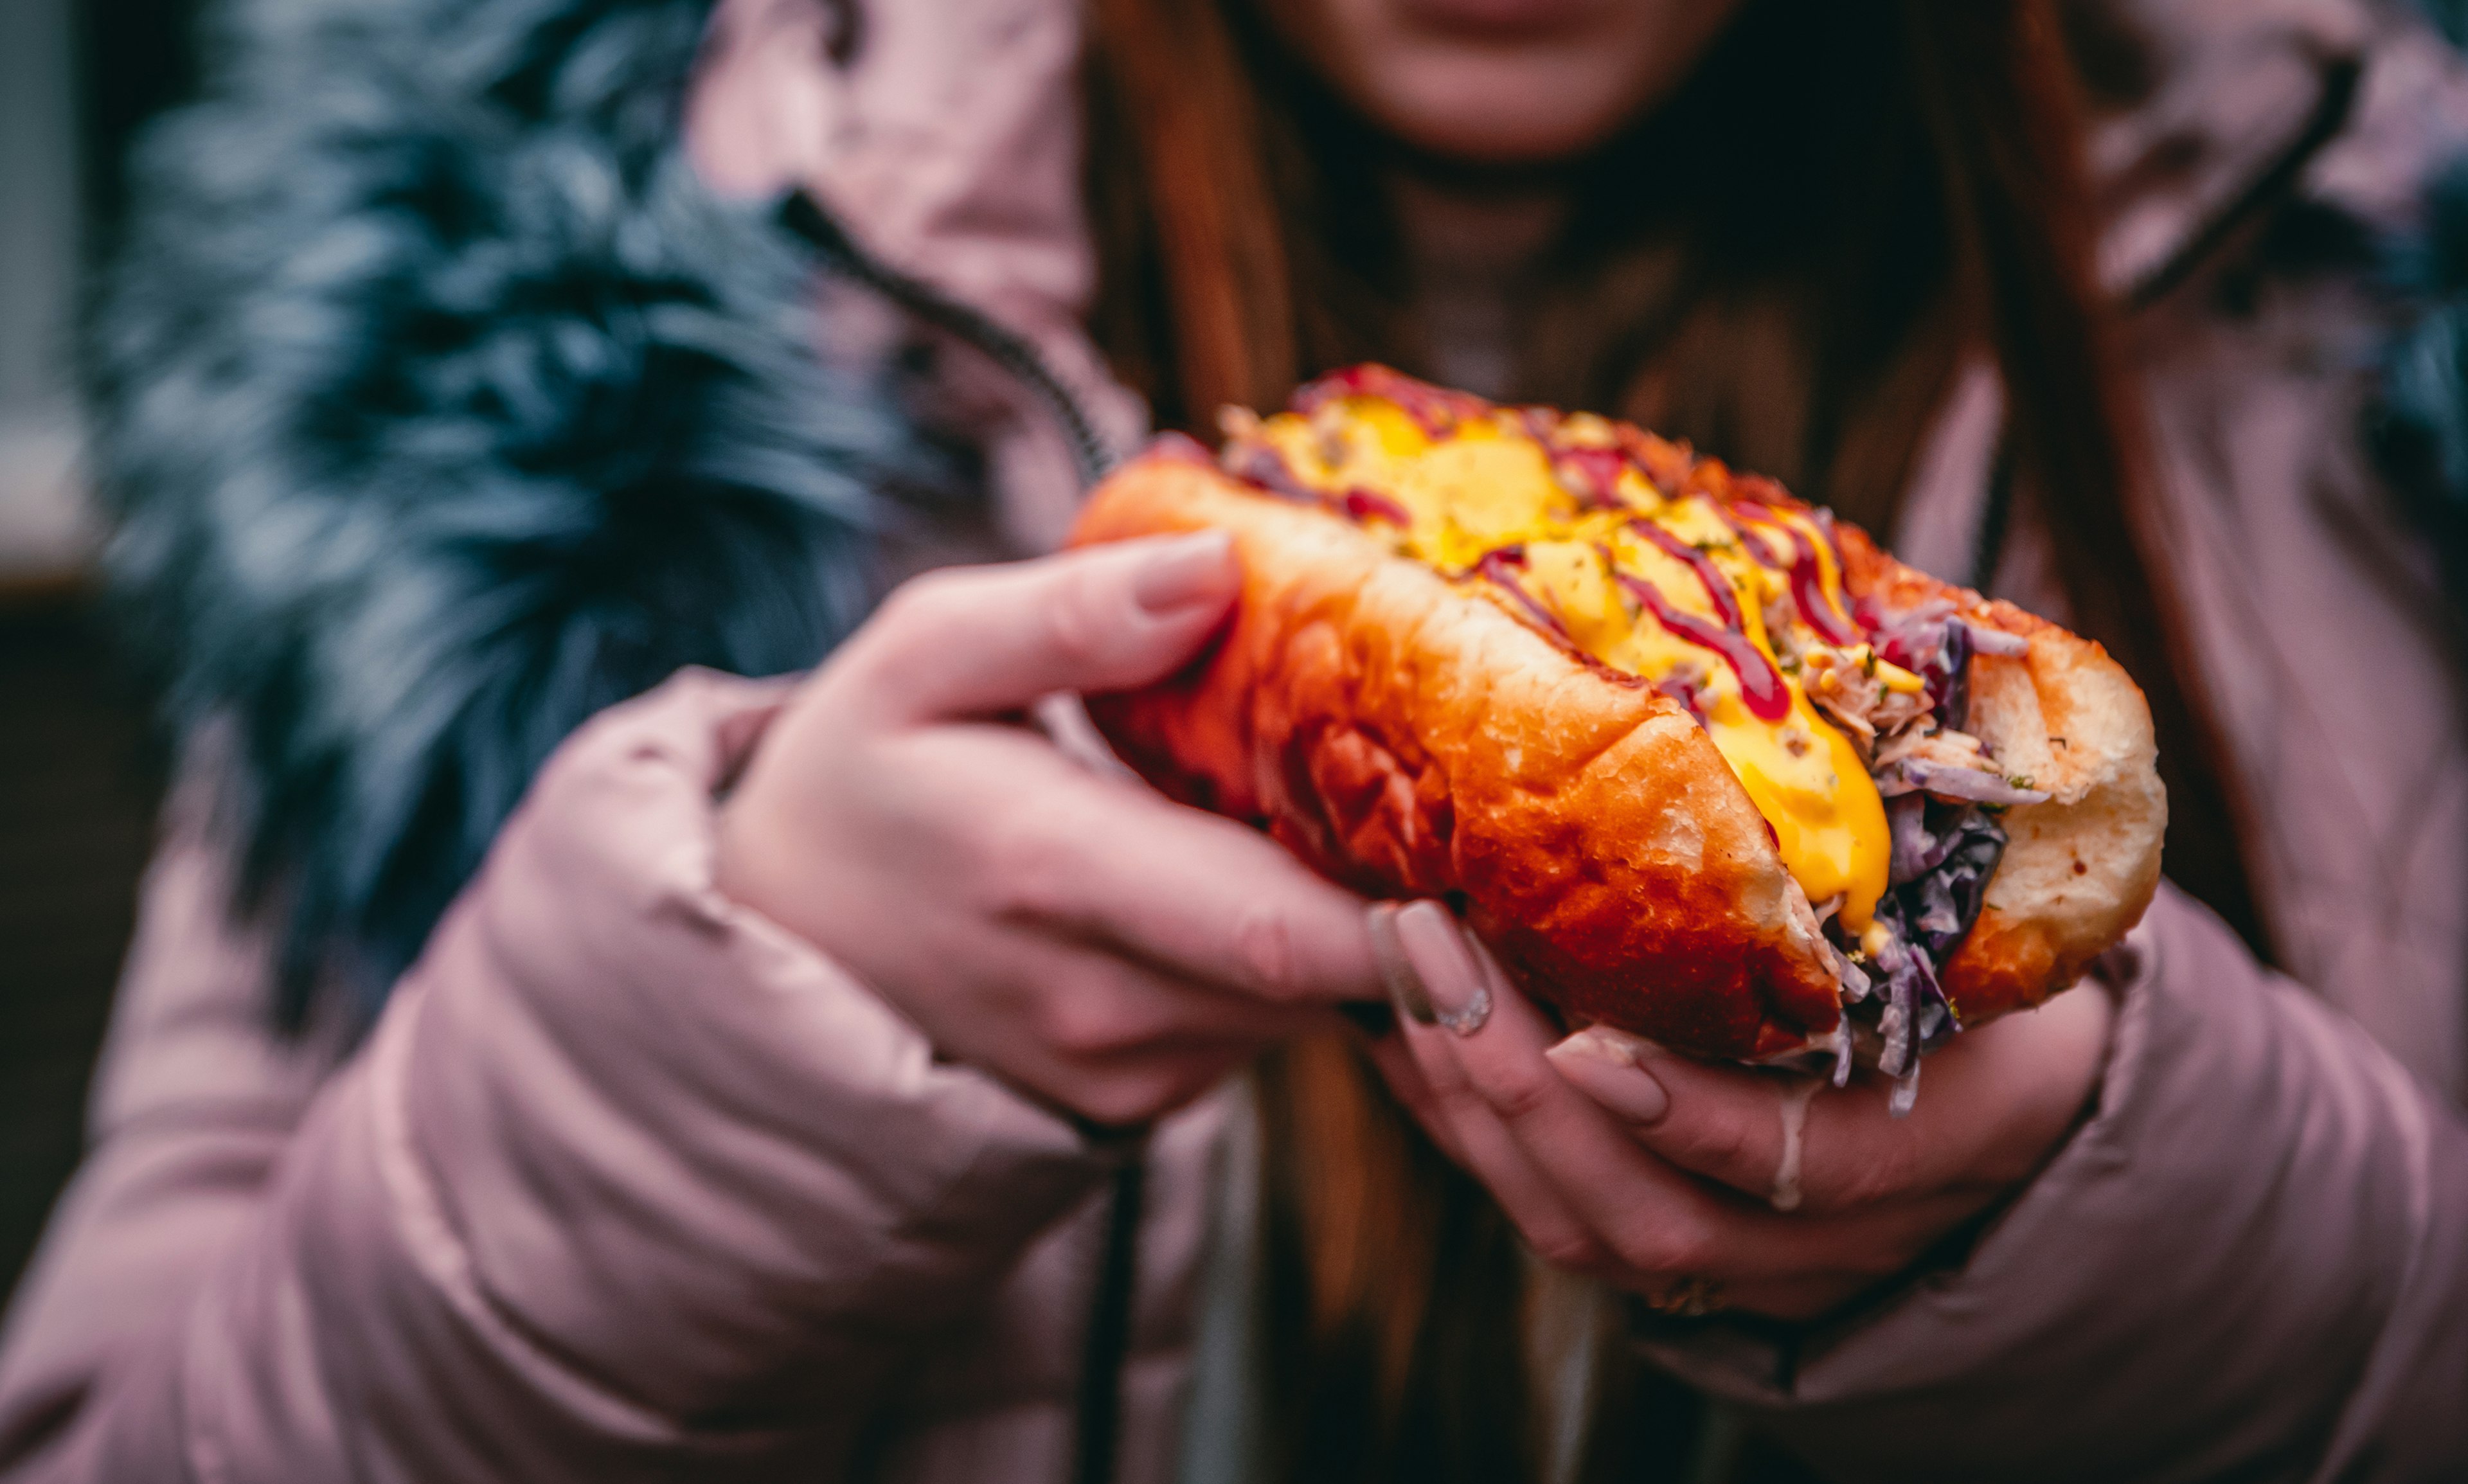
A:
80,770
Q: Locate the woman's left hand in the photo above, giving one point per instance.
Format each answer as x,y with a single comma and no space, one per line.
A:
1661,1174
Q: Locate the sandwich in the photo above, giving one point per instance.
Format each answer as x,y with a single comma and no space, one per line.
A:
1693,758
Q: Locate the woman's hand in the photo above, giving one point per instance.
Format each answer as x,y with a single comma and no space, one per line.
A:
1093,943
1661,1175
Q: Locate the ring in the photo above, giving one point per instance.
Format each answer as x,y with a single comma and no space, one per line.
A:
1689,1298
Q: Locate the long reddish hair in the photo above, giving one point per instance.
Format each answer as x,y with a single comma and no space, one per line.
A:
1786,264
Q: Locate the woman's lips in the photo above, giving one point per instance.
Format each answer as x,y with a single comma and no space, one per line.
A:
1504,19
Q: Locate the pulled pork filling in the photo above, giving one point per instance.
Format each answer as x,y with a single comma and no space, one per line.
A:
1943,796
1844,723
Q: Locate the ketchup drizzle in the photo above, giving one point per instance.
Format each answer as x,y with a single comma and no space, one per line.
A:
1264,466
1807,581
1362,504
1761,685
1501,564
1591,475
1750,542
1685,695
1436,410
1727,602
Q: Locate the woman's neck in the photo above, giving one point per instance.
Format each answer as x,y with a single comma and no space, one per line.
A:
1473,250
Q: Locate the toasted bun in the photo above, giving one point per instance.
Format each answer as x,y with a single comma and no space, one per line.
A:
1408,737
2080,869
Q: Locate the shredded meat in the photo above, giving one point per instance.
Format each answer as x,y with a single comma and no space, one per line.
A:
1844,691
1897,710
1943,748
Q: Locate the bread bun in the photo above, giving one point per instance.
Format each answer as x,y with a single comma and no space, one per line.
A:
1410,732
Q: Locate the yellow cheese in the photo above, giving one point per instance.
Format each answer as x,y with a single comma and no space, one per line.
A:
1488,484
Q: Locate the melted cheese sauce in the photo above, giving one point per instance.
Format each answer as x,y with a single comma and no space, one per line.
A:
1487,485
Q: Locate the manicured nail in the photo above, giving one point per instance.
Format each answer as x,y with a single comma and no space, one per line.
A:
1396,970
1603,1066
1454,977
1186,570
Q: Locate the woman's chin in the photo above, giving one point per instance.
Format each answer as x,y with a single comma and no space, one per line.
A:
1494,115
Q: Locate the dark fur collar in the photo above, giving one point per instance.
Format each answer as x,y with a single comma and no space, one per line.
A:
440,409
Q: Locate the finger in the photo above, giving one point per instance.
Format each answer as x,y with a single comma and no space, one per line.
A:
1091,1004
1110,1039
1652,1218
1406,1082
1480,1142
1135,1089
1648,1223
1744,1127
1990,1105
1189,893
980,641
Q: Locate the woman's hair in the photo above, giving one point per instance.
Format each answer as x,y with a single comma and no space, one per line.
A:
1786,264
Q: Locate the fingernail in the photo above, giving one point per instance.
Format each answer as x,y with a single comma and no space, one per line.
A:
1456,979
1604,1068
1396,970
1186,570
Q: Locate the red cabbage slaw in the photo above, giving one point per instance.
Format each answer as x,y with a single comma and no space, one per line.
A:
1947,845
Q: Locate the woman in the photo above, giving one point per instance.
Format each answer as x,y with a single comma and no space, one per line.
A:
766,1102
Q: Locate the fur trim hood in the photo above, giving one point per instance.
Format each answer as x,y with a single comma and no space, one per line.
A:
442,407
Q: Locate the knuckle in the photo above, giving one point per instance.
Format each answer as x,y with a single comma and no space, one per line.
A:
1083,1023
1567,1249
1264,953
1130,1097
1449,1094
921,600
1663,1249
1025,868
1717,1144
1518,1092
1113,1102
1877,1176
1080,620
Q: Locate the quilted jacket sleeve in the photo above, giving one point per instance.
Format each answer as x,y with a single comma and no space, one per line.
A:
626,1183
2251,1263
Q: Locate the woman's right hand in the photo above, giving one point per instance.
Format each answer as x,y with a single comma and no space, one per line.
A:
1085,939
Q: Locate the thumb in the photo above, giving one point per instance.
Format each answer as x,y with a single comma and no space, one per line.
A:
978,640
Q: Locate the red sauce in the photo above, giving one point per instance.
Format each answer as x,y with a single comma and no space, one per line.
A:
1750,542
1362,504
1807,581
1436,410
1591,475
1264,468
1501,566
1727,602
1684,694
1761,685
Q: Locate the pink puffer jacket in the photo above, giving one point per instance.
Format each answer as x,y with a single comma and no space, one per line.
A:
488,1243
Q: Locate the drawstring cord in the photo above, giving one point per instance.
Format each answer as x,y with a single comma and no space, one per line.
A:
1097,1413
805,218
1097,1408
